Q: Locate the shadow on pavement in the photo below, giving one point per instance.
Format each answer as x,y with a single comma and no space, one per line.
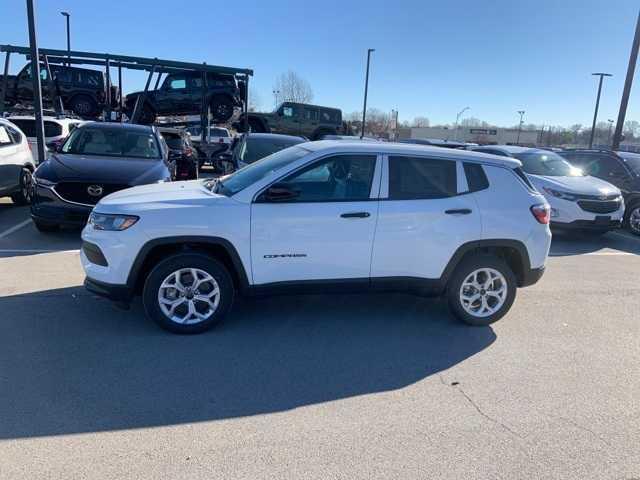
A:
72,363
565,244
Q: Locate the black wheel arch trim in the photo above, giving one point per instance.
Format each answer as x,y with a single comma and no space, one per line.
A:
184,241
483,244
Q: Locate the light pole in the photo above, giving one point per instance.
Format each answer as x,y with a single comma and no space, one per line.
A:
595,113
455,130
67,15
624,101
275,99
366,89
609,134
521,113
35,78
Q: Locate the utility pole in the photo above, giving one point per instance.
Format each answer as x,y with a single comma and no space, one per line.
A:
595,113
455,129
633,57
275,99
609,134
521,113
35,77
366,89
68,16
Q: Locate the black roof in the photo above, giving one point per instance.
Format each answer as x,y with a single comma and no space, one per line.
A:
112,125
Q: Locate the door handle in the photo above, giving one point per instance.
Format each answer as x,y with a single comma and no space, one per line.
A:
458,211
356,215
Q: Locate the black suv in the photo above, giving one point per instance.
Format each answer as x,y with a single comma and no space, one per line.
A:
311,121
181,94
82,90
622,169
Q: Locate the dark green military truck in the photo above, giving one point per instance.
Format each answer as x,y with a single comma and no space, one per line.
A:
311,121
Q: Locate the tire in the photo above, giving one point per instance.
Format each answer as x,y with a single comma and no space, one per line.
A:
317,135
23,197
164,275
481,264
146,116
221,108
632,218
45,227
84,106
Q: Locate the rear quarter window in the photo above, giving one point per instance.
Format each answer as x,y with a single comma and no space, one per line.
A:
414,178
476,177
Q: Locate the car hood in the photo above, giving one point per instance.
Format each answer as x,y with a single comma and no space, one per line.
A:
579,185
159,196
129,171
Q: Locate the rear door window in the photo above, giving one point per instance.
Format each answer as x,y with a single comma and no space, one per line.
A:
5,139
413,178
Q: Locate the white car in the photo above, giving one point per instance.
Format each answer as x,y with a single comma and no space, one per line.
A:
16,164
56,130
578,202
323,215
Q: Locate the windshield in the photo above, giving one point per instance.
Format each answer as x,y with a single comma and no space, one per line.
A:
256,148
173,140
112,142
257,171
632,160
548,164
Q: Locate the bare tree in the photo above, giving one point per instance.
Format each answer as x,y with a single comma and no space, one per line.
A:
290,87
420,122
255,102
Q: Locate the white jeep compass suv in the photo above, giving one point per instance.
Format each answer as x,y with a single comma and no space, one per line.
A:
321,216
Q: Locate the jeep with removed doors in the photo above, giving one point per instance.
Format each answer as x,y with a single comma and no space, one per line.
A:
181,94
290,118
327,216
82,90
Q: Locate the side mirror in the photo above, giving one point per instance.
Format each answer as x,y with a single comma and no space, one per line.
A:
54,146
279,192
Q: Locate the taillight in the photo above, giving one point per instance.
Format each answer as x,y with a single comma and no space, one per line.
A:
542,213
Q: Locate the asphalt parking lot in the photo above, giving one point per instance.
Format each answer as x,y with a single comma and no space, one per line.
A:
353,386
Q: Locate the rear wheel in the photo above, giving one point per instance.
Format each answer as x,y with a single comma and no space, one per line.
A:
481,290
84,106
221,108
632,218
23,196
188,293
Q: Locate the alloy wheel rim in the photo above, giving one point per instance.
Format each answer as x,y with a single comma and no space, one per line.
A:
26,185
189,296
634,219
483,292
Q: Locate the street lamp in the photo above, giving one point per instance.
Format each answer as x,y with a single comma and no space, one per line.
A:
521,113
455,131
67,15
609,134
595,113
276,93
366,88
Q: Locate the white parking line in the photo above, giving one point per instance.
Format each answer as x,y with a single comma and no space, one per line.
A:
35,250
575,254
14,228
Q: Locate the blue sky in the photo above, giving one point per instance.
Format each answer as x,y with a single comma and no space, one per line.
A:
432,58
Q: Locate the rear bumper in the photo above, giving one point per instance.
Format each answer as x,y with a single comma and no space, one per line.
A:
116,293
531,276
587,225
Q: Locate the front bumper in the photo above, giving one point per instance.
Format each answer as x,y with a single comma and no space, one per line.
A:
116,293
47,207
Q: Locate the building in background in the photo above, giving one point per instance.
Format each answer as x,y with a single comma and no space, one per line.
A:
481,135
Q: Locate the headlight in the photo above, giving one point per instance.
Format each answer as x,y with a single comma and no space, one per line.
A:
560,194
102,221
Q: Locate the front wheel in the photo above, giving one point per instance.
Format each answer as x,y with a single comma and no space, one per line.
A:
188,293
221,108
481,290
